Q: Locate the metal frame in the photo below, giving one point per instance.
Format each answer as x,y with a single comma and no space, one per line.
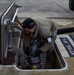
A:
7,20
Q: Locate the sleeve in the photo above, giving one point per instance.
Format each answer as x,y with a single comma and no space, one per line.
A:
54,32
46,47
50,40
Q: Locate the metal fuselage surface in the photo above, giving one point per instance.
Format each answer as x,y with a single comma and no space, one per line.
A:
61,52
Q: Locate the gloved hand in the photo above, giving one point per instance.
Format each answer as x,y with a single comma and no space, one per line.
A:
38,52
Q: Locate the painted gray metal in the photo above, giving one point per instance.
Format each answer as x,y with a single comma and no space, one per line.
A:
7,18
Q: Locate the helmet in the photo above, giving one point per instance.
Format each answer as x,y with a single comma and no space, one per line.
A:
29,23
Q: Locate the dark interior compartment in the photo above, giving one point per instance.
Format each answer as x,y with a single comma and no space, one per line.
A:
10,58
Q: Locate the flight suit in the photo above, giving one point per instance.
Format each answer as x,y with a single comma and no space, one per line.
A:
44,29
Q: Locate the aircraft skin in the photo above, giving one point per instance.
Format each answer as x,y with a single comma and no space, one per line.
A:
66,57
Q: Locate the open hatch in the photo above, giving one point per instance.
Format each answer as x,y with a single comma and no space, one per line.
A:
11,36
